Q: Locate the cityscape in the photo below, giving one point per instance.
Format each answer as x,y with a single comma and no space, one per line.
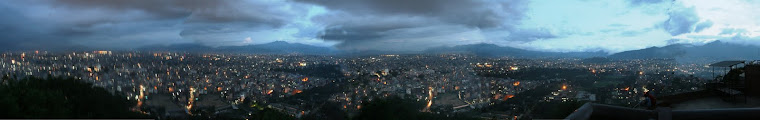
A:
184,84
380,59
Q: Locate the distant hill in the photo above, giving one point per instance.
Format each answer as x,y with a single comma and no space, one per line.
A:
711,51
670,51
492,50
187,47
277,47
716,50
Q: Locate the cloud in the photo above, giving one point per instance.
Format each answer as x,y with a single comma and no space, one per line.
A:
366,22
416,39
644,2
14,34
353,28
681,20
526,35
703,25
476,13
113,23
733,31
568,25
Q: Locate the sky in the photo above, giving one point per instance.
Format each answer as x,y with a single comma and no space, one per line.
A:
385,25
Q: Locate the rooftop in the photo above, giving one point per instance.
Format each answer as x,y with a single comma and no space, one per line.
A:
686,106
715,102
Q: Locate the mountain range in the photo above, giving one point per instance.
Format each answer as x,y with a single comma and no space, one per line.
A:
713,50
492,50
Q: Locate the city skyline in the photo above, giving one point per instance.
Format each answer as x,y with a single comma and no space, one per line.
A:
565,26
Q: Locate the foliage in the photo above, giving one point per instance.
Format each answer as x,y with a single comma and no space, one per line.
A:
61,98
271,114
396,108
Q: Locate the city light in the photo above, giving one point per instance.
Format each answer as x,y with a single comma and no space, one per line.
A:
430,99
232,77
378,59
190,100
513,68
508,96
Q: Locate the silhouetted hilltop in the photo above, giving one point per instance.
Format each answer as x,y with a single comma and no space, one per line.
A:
713,50
670,51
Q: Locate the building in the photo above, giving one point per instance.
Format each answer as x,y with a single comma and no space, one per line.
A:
718,102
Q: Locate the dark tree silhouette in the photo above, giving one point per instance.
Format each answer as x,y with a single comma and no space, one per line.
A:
61,98
396,108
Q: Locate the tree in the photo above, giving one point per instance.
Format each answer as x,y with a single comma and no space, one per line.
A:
396,108
61,98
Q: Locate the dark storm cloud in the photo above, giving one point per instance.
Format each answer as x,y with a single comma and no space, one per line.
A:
201,16
476,13
67,22
15,35
367,27
159,8
681,21
364,21
201,10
